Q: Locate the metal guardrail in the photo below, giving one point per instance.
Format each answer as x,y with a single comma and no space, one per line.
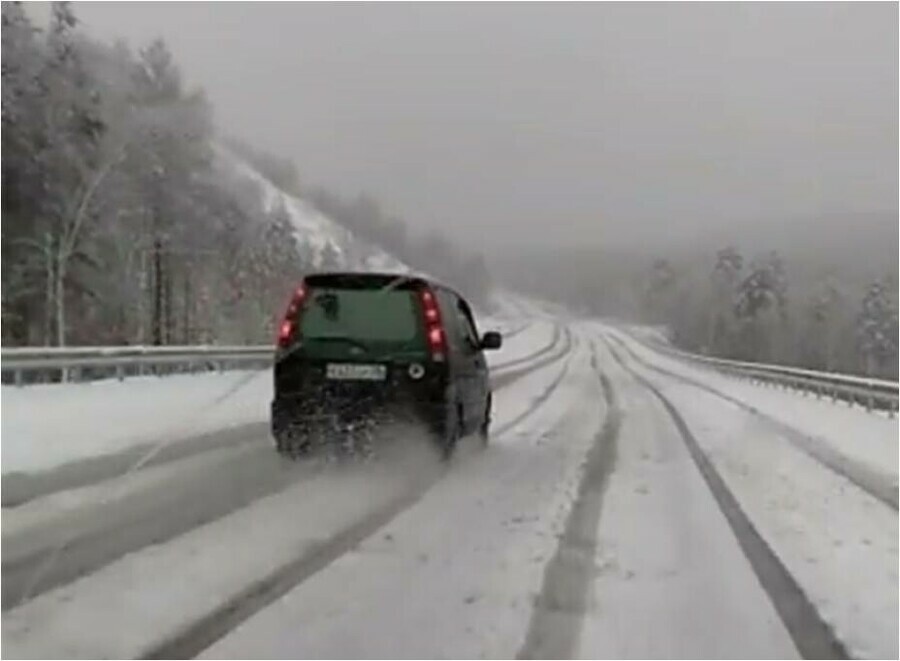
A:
868,392
85,363
76,363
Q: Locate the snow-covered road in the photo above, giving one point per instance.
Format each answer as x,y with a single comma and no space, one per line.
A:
621,510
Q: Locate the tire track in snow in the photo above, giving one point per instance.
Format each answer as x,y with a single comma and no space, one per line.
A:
542,397
62,550
515,331
504,379
22,487
877,485
534,355
19,488
555,625
200,634
812,636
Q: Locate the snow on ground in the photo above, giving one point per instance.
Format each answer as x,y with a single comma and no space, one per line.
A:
867,438
314,228
127,606
836,540
66,504
63,510
459,569
671,580
535,337
47,425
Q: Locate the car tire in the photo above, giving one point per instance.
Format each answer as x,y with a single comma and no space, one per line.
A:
484,431
289,444
451,433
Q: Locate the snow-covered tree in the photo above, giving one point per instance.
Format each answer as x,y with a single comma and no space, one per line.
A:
876,330
760,306
821,330
725,277
763,289
659,293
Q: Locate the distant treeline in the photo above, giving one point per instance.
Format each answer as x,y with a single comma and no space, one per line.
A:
750,311
817,310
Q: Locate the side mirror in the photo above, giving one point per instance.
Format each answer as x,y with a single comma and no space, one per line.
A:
491,340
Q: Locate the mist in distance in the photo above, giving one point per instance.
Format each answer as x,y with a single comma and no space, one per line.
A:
548,125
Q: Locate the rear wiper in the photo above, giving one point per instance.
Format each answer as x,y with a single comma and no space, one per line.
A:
396,282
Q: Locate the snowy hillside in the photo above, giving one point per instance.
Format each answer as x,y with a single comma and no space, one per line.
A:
314,230
319,235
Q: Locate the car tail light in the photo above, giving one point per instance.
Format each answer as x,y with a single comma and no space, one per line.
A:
291,317
434,329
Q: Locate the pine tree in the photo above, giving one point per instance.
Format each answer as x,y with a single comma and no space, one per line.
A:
876,330
818,340
725,277
660,291
761,308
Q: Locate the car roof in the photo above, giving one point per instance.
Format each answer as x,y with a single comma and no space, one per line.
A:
326,278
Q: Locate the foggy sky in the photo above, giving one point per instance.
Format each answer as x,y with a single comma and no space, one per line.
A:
566,123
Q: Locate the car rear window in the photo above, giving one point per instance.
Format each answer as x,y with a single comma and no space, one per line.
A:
364,314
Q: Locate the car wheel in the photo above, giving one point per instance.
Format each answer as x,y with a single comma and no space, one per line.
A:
452,433
281,440
291,444
484,431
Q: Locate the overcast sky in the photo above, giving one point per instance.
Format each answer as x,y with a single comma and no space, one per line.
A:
518,122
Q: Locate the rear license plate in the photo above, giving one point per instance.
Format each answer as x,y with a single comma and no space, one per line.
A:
355,372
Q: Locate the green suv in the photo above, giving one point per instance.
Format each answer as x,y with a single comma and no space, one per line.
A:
358,351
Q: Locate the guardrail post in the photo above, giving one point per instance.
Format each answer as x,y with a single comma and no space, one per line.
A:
18,377
869,402
120,372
